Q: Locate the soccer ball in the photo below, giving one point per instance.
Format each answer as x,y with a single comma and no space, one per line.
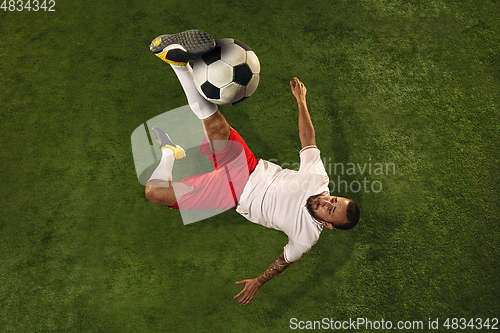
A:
228,74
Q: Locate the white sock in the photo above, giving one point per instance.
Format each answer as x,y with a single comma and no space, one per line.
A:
164,169
200,106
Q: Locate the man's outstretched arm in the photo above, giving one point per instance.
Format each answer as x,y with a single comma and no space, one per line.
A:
253,285
306,129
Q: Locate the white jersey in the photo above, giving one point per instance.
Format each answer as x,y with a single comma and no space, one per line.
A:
276,198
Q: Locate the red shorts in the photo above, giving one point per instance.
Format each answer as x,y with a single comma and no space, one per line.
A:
221,188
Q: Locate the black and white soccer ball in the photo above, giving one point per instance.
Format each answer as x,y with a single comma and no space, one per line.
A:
228,74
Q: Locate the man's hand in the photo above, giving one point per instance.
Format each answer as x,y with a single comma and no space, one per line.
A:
253,285
298,90
251,288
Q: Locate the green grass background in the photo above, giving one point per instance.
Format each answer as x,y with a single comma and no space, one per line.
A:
414,83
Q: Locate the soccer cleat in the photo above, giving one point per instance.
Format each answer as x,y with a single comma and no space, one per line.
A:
178,49
164,140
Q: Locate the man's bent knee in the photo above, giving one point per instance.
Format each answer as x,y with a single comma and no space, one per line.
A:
166,192
159,191
150,193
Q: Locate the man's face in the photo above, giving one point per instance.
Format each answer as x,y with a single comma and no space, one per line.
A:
330,210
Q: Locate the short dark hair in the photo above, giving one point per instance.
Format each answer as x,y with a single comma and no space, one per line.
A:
352,215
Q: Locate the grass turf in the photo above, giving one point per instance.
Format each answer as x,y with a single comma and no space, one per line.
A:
411,83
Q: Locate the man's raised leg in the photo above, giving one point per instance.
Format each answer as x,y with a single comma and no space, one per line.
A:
177,50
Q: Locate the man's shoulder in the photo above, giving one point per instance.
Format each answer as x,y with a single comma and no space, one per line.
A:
308,230
301,243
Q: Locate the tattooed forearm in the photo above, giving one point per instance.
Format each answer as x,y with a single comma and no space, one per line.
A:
278,266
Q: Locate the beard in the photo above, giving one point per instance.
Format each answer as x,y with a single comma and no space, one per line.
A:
312,204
